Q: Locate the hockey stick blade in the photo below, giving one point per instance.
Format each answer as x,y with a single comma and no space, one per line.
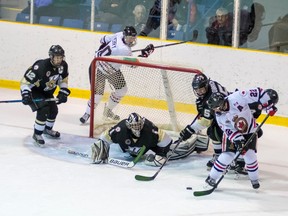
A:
145,178
203,192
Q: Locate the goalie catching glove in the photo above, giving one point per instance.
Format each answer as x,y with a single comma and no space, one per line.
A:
100,152
148,50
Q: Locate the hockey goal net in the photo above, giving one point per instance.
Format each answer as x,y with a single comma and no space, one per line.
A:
160,92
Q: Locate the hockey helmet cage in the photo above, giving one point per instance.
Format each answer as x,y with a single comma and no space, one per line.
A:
200,81
130,36
217,101
135,123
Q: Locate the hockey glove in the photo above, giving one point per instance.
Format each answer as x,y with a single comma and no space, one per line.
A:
271,110
62,95
186,133
155,160
26,97
148,50
239,144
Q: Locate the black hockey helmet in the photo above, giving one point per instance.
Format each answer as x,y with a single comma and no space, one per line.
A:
130,36
273,96
217,101
200,85
135,123
56,50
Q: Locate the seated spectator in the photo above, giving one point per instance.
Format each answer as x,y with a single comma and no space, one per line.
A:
278,35
138,19
220,29
112,11
153,21
39,7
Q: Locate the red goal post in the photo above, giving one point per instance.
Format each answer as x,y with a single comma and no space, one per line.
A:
161,92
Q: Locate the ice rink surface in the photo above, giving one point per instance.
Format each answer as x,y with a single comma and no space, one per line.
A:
50,182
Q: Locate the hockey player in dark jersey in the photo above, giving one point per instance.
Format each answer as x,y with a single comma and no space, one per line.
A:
136,131
37,87
131,134
203,88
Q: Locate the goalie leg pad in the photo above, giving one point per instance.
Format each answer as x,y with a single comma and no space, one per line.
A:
155,160
100,152
184,149
201,143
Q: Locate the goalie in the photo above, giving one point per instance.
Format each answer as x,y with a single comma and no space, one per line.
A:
133,133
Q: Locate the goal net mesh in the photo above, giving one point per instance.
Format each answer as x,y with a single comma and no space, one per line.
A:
160,92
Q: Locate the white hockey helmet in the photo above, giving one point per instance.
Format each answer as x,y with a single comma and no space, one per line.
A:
135,123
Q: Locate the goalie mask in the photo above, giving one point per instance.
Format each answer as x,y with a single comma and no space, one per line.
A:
130,36
135,123
200,85
56,54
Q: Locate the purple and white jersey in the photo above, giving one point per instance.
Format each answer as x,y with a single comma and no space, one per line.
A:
112,45
239,119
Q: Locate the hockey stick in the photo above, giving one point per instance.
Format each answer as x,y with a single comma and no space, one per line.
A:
150,178
114,161
194,38
34,100
207,192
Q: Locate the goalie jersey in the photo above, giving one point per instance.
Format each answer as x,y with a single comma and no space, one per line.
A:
152,137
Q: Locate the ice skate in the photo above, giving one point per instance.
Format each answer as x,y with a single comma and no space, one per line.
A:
210,183
51,133
255,184
38,139
84,118
109,115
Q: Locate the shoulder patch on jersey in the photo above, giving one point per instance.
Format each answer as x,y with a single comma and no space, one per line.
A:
36,67
243,93
118,129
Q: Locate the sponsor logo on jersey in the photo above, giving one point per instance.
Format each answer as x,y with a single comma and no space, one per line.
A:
36,67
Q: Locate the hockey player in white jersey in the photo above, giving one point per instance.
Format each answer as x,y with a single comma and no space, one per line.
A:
118,44
235,118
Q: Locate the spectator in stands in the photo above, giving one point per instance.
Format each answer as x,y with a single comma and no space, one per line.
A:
40,6
220,28
112,11
153,21
145,3
278,35
138,19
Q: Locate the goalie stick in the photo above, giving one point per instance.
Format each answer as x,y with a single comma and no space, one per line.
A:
207,192
34,100
150,178
194,38
114,161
